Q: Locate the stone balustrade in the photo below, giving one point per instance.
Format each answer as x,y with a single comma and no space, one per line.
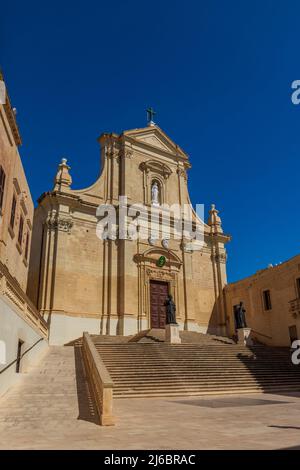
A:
11,290
99,380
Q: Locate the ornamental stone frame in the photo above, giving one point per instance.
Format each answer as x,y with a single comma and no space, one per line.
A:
148,271
155,171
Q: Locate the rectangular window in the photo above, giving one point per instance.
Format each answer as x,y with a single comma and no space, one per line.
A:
267,300
13,212
2,186
298,287
293,333
27,246
20,236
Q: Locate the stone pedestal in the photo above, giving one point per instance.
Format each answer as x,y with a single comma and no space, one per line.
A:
244,336
172,334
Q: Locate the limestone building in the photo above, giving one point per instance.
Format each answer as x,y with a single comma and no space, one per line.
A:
23,332
16,206
272,301
118,286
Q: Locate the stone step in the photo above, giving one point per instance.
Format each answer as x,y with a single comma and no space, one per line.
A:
232,391
177,351
203,372
158,335
190,345
205,352
191,391
227,376
202,388
193,359
208,390
209,380
203,367
206,386
199,366
158,369
186,346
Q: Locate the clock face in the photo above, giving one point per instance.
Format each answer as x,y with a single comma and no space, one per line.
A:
161,261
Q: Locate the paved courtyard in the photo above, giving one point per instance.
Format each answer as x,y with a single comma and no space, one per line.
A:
51,409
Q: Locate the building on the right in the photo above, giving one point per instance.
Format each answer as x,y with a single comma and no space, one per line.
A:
271,298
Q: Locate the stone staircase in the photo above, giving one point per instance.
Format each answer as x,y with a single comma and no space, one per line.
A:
158,336
201,365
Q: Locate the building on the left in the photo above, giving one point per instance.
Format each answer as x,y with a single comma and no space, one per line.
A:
23,332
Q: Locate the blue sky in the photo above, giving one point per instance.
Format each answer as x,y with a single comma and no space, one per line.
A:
218,74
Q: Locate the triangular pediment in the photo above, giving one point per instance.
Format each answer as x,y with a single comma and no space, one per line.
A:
153,136
152,140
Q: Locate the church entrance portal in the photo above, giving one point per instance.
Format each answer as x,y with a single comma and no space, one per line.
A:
158,294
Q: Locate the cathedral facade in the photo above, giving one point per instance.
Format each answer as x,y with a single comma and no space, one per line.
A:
81,281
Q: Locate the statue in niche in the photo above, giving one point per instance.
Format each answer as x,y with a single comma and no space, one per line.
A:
155,194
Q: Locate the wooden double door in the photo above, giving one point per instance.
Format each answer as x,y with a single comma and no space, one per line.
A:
158,294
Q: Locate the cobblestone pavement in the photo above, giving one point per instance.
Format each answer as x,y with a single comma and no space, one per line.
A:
51,408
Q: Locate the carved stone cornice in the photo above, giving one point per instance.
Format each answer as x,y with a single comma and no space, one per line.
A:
128,153
61,224
160,274
11,117
113,151
182,172
220,237
156,168
219,258
114,154
187,246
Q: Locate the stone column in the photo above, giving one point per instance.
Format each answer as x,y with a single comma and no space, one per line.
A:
218,258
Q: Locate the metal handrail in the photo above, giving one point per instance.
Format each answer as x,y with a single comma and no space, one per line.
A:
261,334
21,357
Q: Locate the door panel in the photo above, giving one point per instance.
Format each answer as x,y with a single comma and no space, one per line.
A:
158,294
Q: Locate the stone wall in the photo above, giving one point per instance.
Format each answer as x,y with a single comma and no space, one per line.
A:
13,253
19,320
269,326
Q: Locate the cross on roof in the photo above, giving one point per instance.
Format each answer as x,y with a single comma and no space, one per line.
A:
150,114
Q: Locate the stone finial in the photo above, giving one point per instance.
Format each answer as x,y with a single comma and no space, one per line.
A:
63,178
214,221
